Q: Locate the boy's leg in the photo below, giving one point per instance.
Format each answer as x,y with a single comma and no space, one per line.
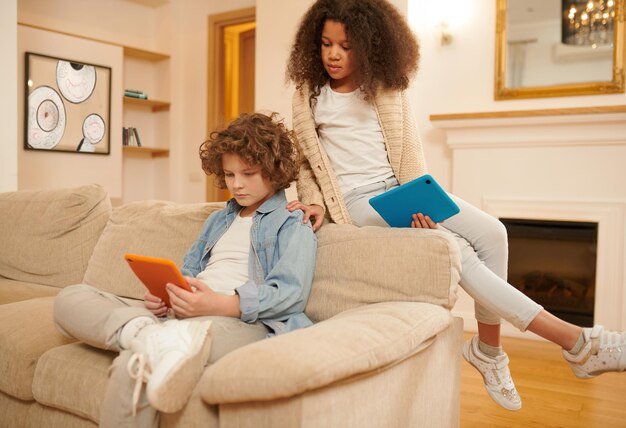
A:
94,316
228,334
117,410
125,391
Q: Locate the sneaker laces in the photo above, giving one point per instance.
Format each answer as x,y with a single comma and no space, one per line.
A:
139,370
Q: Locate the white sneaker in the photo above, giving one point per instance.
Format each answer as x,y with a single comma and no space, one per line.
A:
170,359
495,373
603,351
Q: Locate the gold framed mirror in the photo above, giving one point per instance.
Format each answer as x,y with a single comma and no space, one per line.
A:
545,48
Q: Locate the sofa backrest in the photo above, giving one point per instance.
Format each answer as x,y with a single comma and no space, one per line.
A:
357,266
151,228
64,237
47,236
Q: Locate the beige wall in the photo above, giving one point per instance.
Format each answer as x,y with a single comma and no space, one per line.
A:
454,78
179,28
8,101
186,28
39,169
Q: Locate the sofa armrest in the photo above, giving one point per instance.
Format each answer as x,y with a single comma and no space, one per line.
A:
358,266
354,343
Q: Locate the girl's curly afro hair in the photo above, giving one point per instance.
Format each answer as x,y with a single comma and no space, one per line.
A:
386,50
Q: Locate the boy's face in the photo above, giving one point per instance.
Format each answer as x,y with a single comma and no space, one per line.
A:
246,182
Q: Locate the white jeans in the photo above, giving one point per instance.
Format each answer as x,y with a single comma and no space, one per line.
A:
482,240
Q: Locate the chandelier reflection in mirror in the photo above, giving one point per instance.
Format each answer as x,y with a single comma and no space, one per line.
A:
588,22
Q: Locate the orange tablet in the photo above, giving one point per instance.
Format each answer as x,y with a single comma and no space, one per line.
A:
155,272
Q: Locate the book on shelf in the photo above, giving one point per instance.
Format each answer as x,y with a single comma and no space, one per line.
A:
137,137
130,137
136,95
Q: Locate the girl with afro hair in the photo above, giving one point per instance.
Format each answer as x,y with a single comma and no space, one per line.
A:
352,61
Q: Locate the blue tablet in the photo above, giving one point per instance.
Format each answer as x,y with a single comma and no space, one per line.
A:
422,195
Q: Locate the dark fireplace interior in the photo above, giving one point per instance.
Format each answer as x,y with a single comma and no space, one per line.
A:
554,263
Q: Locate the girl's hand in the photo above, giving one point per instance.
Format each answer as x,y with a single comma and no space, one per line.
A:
202,301
155,305
314,211
420,221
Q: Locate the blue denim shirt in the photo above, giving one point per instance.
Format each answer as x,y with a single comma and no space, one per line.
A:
280,265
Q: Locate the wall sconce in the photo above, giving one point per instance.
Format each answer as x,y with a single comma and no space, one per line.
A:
446,36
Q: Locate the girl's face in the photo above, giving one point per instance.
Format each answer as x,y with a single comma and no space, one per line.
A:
246,182
338,57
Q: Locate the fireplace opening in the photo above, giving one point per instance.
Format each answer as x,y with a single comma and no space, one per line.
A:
554,263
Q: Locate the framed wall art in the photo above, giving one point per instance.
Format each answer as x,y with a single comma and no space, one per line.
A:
68,105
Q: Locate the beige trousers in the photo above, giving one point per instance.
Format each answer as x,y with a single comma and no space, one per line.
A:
96,317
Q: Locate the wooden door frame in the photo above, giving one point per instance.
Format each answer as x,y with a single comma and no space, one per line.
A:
215,74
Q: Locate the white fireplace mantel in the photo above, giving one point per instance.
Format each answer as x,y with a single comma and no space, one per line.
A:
555,164
553,127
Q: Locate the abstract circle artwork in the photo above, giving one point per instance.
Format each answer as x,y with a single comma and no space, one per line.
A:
46,118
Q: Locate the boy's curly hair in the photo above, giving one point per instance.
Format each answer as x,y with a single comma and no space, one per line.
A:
385,49
257,139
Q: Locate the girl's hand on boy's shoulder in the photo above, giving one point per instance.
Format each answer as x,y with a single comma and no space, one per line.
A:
314,211
421,221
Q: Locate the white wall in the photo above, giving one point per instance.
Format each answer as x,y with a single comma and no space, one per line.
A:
459,78
8,100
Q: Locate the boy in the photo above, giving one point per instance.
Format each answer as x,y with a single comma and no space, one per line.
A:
251,270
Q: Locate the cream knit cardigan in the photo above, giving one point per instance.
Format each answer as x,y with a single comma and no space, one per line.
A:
317,183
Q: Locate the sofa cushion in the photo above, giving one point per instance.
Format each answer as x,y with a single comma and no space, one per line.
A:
152,228
26,332
357,342
73,378
16,291
49,235
361,265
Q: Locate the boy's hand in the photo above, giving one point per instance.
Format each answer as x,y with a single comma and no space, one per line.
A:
202,301
155,305
420,221
314,211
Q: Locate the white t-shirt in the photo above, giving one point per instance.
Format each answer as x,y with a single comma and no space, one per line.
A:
228,264
349,131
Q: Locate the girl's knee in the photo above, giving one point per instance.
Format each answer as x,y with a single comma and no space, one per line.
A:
495,234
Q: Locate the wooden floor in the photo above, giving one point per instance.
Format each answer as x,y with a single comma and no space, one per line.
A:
551,395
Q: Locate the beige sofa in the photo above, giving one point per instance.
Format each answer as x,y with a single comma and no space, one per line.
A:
384,351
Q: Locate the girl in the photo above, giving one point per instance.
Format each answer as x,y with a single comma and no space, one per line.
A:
251,269
351,62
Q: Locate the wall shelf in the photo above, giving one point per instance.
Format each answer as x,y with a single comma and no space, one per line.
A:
153,152
155,105
144,54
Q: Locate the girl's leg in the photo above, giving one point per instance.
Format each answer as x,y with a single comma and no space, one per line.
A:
492,242
488,236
